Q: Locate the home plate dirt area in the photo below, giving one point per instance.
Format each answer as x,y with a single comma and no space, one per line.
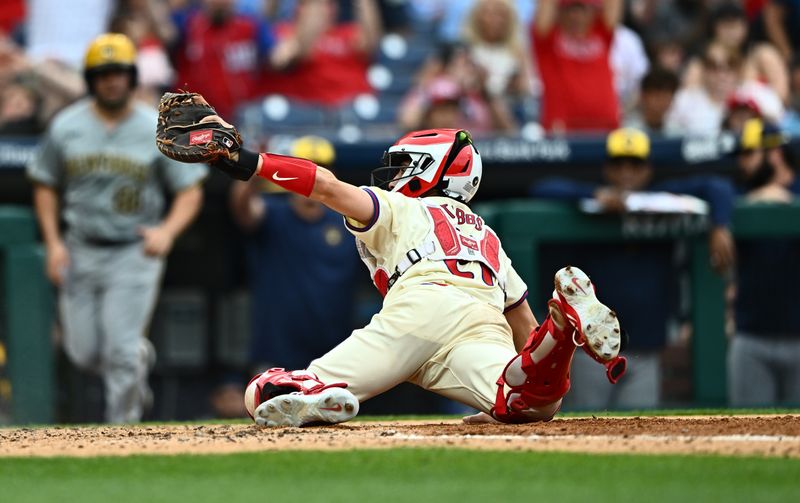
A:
777,436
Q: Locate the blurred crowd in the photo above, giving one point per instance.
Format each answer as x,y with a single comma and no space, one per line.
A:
349,68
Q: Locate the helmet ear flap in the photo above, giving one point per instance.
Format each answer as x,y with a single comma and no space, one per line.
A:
444,162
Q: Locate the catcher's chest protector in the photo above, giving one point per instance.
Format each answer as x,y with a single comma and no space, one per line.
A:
444,242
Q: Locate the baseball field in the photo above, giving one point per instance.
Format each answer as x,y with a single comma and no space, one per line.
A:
707,456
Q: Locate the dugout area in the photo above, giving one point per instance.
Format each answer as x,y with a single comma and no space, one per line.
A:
200,322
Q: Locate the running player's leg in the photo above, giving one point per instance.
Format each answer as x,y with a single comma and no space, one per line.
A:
79,308
127,306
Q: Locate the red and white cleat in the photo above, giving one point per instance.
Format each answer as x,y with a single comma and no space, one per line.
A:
332,405
297,398
596,325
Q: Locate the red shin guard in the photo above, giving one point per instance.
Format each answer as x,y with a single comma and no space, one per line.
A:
535,384
291,173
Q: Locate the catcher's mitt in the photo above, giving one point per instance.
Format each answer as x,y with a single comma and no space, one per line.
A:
182,135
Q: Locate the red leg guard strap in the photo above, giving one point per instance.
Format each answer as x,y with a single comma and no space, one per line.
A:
546,381
291,173
616,368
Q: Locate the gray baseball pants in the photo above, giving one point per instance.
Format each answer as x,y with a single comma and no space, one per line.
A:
106,304
639,388
763,371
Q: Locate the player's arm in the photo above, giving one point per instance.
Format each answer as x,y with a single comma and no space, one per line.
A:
46,203
186,205
294,174
522,321
306,178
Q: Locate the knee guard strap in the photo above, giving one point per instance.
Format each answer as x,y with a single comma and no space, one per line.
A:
535,384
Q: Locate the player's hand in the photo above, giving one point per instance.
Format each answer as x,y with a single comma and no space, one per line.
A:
772,193
157,241
57,262
722,248
611,199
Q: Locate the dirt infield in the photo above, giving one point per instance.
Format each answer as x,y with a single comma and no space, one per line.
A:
727,435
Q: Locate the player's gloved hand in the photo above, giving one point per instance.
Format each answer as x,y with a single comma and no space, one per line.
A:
189,130
241,166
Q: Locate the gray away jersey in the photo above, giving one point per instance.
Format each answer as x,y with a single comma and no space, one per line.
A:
111,181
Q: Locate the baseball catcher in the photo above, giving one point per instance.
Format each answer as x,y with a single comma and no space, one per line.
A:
455,319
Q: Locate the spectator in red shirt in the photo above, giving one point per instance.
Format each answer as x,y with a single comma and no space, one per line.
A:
12,15
572,41
320,60
219,52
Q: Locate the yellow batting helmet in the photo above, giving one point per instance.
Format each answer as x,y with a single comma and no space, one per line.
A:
628,142
315,149
750,138
756,134
110,51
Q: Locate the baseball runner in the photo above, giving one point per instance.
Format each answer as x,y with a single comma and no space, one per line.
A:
455,319
97,166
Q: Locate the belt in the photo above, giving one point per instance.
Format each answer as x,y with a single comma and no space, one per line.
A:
108,243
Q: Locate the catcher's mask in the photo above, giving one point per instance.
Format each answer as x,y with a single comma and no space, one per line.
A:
431,161
110,52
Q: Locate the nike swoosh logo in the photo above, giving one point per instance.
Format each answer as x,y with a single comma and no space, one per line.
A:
282,179
338,408
575,282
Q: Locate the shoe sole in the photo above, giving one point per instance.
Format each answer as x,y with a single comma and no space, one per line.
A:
333,405
597,323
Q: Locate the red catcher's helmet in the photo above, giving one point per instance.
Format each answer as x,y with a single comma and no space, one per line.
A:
422,161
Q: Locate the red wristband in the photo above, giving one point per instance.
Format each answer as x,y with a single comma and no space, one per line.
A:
291,173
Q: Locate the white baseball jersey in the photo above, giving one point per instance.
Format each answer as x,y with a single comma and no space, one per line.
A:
436,239
447,282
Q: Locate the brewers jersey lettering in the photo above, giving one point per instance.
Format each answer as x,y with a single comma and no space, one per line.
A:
112,182
447,282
